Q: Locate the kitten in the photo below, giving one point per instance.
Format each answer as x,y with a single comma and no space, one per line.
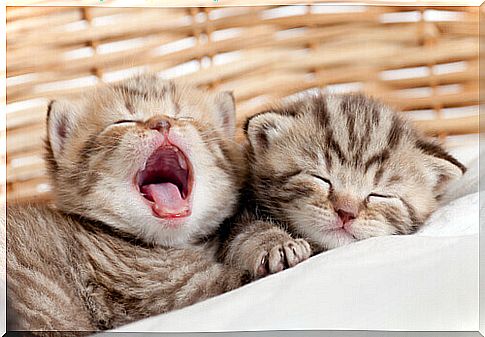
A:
143,172
332,170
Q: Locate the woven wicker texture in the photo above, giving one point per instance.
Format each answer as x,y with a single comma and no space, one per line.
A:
421,60
210,3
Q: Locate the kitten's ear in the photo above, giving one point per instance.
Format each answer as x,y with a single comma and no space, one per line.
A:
265,127
61,119
226,112
444,167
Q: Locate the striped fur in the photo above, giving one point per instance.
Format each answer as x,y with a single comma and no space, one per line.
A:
100,258
101,155
318,153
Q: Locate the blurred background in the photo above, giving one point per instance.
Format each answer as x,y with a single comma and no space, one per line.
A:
421,60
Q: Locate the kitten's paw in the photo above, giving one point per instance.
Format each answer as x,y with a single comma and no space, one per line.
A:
281,256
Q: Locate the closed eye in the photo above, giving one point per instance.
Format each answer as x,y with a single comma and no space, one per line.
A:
322,179
377,195
124,121
121,121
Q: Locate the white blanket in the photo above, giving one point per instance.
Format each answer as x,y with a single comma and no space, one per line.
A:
427,281
391,283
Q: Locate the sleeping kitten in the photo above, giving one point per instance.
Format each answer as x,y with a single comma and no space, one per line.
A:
333,169
143,172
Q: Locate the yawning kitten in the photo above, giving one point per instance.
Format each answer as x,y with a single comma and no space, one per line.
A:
334,169
142,172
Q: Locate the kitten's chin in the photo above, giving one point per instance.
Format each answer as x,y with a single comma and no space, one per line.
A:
336,238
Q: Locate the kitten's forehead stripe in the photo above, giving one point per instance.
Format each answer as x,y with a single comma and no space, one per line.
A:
371,123
311,153
328,160
173,96
375,117
378,158
168,92
129,106
395,132
394,179
171,88
333,145
378,175
353,110
320,109
128,95
131,92
349,111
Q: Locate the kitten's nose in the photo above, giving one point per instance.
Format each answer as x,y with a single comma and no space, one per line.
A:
346,208
345,216
161,125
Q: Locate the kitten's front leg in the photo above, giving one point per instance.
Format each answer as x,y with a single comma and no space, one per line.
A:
155,281
262,248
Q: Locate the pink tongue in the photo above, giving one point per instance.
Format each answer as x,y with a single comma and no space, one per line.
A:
167,198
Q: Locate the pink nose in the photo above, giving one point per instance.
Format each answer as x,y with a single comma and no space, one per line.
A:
345,216
162,125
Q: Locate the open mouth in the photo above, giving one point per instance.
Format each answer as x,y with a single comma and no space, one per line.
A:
166,182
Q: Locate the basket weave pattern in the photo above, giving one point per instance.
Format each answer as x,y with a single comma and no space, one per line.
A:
421,60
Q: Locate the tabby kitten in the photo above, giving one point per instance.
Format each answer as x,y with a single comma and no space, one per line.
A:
334,169
143,171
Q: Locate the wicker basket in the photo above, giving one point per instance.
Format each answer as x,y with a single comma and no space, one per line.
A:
422,60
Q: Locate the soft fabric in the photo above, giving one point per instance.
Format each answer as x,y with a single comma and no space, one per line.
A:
426,281
388,283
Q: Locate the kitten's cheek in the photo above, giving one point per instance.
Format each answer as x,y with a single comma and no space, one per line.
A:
319,187
371,218
384,202
322,186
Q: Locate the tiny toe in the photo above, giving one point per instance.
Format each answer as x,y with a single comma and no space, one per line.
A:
276,258
279,267
305,248
291,257
262,268
262,271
